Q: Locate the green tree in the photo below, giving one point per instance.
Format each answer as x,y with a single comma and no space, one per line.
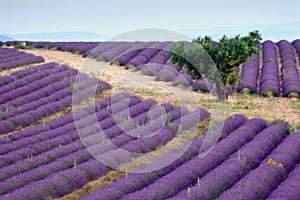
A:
218,62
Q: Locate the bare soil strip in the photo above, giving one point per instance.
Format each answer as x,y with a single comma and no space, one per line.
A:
279,69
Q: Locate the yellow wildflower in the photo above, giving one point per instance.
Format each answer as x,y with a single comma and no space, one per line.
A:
271,161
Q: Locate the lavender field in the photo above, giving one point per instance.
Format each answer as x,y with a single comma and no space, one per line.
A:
50,150
145,100
275,72
250,161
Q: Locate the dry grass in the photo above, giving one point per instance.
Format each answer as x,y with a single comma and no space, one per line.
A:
95,185
270,108
58,56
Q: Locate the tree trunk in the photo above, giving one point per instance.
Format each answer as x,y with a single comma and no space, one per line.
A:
221,92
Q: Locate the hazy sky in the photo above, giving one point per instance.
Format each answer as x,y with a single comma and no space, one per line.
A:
115,16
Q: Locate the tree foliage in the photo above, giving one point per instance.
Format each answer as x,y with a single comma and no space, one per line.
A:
217,61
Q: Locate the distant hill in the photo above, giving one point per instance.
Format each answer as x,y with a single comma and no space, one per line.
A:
5,38
59,36
289,31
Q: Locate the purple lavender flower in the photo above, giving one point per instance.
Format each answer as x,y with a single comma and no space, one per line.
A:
165,75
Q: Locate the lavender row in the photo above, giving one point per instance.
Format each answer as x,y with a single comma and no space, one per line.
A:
44,145
25,72
31,78
28,114
145,55
123,52
14,61
15,96
15,56
164,187
43,161
296,45
51,93
31,117
17,139
109,50
237,165
289,70
150,173
16,105
149,56
29,88
150,59
7,52
289,188
131,53
154,61
155,53
63,140
75,47
24,61
159,132
58,101
59,133
250,71
115,51
260,182
9,55
47,157
124,58
269,79
93,173
52,180
64,124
